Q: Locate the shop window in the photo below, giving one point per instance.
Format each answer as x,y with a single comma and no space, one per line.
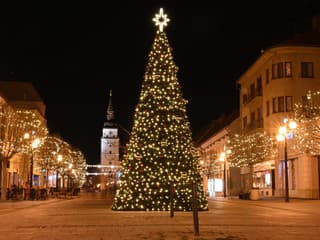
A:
292,173
267,180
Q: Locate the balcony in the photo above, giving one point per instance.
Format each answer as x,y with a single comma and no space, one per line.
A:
248,98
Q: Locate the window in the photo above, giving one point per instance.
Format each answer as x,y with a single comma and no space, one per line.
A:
252,91
274,105
259,86
267,76
280,104
274,71
245,122
305,103
252,119
304,100
268,108
259,117
280,70
289,104
244,98
307,69
288,69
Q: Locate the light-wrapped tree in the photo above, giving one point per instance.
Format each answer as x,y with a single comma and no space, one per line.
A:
159,153
307,117
78,171
248,149
14,124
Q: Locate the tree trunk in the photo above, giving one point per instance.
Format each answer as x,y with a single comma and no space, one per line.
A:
4,179
251,177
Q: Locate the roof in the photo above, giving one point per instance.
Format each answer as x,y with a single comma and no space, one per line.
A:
214,126
18,91
308,39
22,94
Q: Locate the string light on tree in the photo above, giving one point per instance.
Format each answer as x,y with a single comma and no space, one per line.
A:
307,116
159,154
248,149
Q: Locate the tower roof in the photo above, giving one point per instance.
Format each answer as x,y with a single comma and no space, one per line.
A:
110,114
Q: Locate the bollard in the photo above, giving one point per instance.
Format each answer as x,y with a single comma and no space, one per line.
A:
171,200
195,209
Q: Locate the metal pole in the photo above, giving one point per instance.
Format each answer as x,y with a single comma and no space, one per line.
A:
224,179
171,201
195,209
31,174
286,170
57,180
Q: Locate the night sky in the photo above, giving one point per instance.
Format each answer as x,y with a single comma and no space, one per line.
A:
75,54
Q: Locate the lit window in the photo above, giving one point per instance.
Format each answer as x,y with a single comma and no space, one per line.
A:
288,69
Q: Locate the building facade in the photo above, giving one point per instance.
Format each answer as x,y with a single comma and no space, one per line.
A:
219,178
273,84
281,77
110,145
22,95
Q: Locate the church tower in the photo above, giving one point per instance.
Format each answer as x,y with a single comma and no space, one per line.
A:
109,149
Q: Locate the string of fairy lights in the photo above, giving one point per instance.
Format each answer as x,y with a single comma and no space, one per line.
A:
307,117
159,152
20,127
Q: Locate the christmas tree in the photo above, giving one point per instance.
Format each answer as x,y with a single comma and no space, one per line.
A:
159,163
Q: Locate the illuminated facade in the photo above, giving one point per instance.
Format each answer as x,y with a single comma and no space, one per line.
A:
22,95
110,163
219,177
279,78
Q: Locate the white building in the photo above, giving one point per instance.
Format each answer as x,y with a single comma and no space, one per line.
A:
109,160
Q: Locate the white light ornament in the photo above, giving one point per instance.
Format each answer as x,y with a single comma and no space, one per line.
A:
161,19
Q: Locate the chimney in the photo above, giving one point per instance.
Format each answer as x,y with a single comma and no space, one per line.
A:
316,24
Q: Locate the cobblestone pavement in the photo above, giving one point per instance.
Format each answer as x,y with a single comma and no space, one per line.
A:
89,217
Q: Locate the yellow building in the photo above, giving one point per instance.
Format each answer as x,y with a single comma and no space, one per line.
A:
219,179
22,95
279,78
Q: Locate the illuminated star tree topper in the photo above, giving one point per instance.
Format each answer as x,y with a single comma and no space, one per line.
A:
161,19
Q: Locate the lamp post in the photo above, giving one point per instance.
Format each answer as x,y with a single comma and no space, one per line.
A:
222,158
34,144
59,159
69,176
283,134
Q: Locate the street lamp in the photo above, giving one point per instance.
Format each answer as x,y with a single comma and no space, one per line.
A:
222,158
34,144
283,135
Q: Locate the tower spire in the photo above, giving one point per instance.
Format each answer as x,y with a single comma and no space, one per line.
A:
110,112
